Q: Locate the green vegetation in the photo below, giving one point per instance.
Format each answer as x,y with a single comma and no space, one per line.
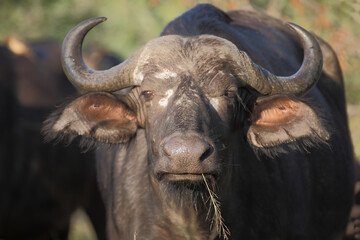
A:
80,227
354,120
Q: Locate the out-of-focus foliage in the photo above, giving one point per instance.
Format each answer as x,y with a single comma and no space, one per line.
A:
80,227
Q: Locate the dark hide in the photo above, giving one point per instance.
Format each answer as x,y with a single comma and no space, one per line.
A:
41,184
281,166
353,227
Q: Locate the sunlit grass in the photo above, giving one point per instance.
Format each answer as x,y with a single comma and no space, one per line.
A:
80,227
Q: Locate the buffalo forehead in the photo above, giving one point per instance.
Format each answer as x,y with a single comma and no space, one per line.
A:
168,57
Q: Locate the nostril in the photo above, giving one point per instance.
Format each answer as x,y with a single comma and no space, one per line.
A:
172,147
182,149
166,150
209,150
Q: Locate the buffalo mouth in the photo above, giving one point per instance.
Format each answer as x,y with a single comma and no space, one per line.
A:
191,177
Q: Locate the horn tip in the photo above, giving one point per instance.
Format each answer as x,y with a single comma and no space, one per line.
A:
295,27
93,21
103,19
99,19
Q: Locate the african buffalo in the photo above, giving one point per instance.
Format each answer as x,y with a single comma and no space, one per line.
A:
228,125
41,184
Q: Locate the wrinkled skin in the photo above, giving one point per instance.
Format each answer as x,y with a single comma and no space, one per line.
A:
41,184
282,166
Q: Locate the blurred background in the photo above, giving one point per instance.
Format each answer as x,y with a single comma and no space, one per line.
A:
132,23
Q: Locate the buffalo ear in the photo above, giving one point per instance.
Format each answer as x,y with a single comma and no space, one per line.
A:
97,116
281,119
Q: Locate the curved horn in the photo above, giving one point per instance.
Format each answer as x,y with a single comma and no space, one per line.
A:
299,83
85,78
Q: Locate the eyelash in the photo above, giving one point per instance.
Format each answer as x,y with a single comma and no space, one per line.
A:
230,94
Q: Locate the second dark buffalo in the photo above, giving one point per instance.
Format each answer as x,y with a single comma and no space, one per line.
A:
41,184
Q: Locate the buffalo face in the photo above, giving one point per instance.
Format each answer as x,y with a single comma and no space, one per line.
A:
188,110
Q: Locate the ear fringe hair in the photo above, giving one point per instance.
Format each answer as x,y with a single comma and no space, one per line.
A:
50,136
303,145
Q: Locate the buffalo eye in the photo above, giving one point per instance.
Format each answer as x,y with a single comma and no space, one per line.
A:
230,93
148,95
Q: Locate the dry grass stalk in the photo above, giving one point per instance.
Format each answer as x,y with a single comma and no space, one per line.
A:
221,228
